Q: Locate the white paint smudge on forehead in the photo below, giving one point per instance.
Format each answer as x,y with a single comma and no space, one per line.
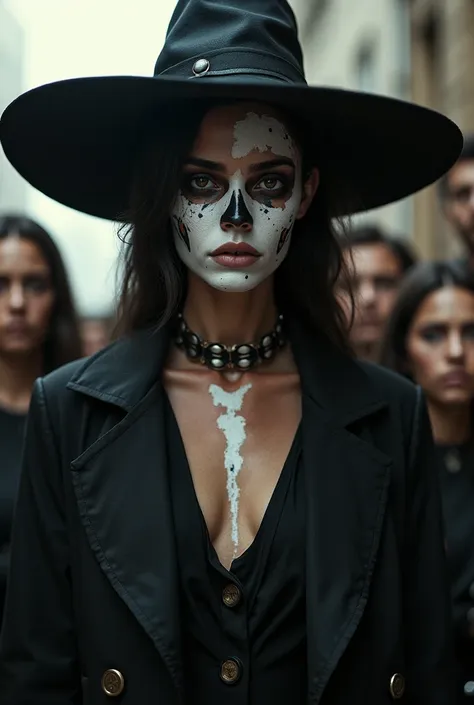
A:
232,426
263,133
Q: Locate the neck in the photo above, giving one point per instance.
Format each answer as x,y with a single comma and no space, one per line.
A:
451,425
17,375
367,351
229,318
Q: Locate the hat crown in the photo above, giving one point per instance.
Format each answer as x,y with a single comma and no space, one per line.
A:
243,36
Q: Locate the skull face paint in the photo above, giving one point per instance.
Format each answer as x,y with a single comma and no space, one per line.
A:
249,195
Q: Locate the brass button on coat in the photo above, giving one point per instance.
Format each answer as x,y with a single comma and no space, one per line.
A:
231,595
231,670
397,686
113,683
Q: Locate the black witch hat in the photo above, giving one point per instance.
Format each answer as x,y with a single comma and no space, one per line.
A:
76,140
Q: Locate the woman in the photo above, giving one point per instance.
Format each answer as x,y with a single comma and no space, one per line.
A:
431,338
229,508
38,332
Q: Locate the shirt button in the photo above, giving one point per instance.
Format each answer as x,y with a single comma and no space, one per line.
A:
397,686
231,670
231,595
113,683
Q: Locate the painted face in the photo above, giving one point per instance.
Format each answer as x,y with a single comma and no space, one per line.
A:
440,346
240,196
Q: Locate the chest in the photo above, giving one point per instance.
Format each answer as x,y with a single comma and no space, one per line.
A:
236,439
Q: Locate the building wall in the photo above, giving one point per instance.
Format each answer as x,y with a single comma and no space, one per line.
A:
361,45
12,186
442,37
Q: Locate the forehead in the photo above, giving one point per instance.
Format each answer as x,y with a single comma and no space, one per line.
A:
450,303
17,252
462,173
243,129
373,259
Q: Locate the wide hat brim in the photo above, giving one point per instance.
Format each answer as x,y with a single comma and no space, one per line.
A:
76,140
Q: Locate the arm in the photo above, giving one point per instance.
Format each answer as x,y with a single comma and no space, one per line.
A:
428,621
38,659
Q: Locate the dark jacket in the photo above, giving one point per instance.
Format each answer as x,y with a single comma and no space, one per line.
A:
93,582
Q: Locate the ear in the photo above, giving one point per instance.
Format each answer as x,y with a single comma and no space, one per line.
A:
310,187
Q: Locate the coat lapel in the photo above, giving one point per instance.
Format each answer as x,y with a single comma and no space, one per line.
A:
121,485
347,481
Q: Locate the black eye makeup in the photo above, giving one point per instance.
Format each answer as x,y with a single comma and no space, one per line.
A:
273,185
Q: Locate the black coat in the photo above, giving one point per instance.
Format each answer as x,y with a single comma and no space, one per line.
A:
93,582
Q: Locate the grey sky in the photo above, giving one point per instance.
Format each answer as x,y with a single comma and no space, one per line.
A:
70,38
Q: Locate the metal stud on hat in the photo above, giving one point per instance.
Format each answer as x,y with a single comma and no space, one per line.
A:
201,67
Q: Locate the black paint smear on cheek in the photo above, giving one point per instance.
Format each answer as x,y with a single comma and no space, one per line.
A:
183,232
283,238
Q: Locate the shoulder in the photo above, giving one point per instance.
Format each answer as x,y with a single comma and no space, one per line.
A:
402,396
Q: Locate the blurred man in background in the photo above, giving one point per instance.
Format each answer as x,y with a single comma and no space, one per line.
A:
377,263
457,197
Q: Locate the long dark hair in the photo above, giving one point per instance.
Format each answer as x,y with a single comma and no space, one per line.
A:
62,343
422,280
154,279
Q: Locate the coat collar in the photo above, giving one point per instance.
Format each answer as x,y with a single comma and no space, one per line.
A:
123,373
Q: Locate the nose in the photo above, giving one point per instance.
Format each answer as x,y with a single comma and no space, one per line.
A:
367,293
237,216
455,346
16,298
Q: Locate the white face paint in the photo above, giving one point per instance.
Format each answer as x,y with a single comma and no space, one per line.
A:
199,227
232,426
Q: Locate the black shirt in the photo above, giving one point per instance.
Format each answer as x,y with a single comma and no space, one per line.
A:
11,442
457,489
244,630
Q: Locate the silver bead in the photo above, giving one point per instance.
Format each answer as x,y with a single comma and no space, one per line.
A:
243,349
215,362
267,341
244,364
216,349
268,354
201,67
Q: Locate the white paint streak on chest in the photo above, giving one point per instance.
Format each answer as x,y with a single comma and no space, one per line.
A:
232,426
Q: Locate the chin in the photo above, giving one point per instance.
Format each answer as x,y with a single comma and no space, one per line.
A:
233,282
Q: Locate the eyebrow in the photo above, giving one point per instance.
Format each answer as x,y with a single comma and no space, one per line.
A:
260,166
272,163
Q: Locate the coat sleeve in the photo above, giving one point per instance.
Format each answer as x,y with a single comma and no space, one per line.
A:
428,619
38,653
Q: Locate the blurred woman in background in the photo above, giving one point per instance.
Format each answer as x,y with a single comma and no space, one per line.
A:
38,332
430,337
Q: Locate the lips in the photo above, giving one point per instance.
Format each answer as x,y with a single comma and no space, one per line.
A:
236,249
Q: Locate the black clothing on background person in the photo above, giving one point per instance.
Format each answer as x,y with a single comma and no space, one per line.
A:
95,560
457,491
12,426
253,613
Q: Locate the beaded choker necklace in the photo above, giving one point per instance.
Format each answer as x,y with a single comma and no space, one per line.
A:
221,357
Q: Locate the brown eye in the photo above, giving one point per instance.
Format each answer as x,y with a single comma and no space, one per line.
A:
201,183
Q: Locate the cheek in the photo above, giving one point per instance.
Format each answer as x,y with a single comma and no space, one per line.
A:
424,362
39,312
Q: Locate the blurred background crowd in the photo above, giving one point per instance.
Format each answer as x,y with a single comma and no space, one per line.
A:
411,264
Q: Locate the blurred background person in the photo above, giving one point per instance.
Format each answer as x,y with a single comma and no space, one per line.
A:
378,263
457,196
38,332
430,338
95,333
